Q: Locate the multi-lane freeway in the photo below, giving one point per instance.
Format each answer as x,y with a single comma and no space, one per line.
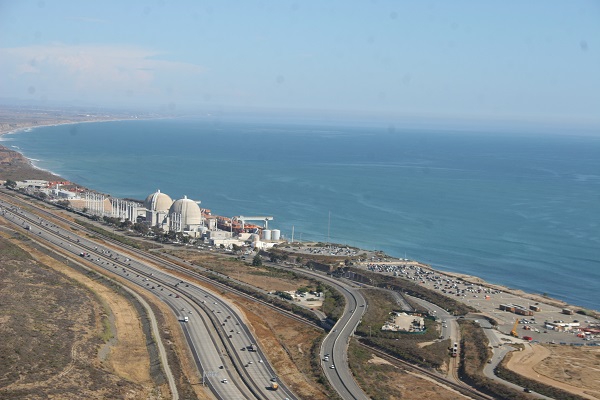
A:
218,337
223,347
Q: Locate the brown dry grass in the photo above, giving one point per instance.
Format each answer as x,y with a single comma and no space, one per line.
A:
128,356
260,277
65,334
383,380
574,369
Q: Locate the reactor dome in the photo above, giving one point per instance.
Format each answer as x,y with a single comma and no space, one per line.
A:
158,202
185,215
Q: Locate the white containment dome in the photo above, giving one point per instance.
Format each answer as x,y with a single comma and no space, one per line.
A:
158,202
185,215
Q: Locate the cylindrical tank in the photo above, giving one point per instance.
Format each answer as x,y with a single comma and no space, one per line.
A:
275,234
254,237
266,234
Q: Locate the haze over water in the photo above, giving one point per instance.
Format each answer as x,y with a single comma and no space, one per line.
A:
517,209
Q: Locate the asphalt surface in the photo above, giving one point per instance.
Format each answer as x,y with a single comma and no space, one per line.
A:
336,342
220,372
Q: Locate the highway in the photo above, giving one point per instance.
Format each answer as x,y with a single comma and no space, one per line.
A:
336,342
227,367
220,341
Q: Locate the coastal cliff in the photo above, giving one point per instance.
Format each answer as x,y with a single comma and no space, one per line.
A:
15,166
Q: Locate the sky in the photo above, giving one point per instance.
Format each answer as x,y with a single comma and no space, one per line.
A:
520,60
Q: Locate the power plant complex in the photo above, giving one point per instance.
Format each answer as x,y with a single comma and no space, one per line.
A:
158,210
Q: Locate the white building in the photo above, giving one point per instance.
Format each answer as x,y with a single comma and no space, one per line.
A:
157,210
185,216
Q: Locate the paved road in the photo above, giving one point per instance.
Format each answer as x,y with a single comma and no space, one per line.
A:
336,342
500,349
211,355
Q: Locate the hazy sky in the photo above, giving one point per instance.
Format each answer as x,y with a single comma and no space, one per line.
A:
536,60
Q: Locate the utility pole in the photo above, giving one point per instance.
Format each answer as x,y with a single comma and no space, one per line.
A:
328,227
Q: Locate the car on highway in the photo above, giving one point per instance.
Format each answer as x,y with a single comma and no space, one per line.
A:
332,366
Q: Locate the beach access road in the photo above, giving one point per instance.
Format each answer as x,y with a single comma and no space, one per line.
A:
450,330
498,355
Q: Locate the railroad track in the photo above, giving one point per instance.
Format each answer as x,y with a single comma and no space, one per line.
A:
459,387
174,266
109,263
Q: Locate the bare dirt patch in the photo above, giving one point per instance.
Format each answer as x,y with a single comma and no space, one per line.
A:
574,369
578,367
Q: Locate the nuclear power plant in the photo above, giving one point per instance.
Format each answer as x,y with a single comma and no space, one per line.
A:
183,215
187,217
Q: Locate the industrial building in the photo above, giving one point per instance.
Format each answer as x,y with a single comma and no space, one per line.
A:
515,308
157,207
184,216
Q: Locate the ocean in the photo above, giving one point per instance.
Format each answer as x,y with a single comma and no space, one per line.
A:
514,208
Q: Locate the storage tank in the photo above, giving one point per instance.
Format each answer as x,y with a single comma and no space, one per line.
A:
276,234
266,234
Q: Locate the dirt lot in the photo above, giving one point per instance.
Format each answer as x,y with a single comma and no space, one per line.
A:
574,369
52,329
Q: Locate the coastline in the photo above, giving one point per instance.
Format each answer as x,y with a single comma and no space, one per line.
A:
13,121
8,130
36,173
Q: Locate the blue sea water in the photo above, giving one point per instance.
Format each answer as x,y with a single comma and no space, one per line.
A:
518,209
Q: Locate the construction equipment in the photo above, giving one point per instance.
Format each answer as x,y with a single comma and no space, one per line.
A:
514,333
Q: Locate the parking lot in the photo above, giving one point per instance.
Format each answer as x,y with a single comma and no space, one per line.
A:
488,298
